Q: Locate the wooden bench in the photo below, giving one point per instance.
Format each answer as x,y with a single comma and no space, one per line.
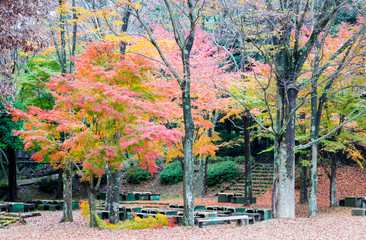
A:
358,212
253,217
240,220
3,207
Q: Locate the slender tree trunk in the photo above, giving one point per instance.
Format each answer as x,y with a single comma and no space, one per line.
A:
303,168
314,134
2,166
276,167
199,178
92,206
248,165
333,182
303,184
124,27
204,160
313,207
188,170
74,35
202,178
12,181
60,184
67,185
63,38
108,193
228,129
114,196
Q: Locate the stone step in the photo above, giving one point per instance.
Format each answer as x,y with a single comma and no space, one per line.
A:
262,173
261,186
262,176
242,185
262,170
262,181
256,191
256,180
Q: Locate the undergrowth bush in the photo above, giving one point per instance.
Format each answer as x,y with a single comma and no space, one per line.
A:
221,171
171,174
159,221
137,175
47,185
3,188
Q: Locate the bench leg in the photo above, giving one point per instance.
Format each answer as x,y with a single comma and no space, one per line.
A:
241,222
246,221
201,224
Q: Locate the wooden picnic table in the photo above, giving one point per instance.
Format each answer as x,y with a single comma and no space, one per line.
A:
240,220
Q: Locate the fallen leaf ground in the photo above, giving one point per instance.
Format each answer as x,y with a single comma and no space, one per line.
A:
332,223
335,224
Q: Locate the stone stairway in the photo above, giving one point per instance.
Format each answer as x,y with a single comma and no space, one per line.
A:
262,180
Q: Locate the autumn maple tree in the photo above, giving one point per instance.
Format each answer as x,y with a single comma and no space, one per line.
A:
106,109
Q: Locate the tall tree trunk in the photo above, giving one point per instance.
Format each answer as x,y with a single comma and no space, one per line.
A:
333,182
60,184
276,155
12,181
248,165
286,190
303,184
67,185
113,177
114,196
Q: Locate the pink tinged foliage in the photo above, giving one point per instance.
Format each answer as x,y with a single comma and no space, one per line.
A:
92,106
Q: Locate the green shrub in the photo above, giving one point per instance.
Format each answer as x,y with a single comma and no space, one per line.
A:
239,159
137,175
47,185
3,188
171,174
221,171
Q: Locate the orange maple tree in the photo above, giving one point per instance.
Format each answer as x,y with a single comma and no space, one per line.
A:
109,107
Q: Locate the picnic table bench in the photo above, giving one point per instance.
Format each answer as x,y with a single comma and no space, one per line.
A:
3,207
253,217
240,220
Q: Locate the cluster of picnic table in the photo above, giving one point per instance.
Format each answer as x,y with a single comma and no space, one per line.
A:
134,196
40,205
204,215
358,202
